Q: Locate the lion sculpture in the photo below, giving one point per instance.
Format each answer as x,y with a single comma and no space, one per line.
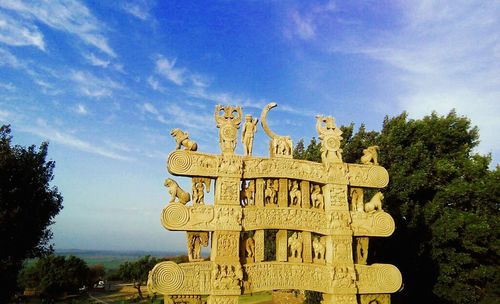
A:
182,139
370,156
176,192
375,204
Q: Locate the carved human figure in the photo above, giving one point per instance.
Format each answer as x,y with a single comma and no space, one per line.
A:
295,243
357,199
247,134
182,139
282,145
247,193
362,250
295,194
330,137
271,192
228,124
195,241
375,204
176,192
198,188
319,248
370,156
250,247
317,199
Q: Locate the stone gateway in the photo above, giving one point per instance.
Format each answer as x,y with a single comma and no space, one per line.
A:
318,209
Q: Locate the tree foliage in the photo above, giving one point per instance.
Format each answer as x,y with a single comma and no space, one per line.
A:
137,271
28,205
53,275
445,202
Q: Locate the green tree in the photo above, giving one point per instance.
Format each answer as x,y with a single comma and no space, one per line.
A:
54,275
445,202
137,271
28,205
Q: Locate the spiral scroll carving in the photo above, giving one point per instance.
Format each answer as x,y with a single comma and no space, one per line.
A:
179,162
389,278
383,224
378,176
167,277
175,215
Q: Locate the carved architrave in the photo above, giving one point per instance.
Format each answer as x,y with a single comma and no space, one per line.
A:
201,217
378,278
190,163
372,224
226,278
339,299
215,299
375,298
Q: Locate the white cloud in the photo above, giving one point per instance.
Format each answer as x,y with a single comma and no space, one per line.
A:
69,16
81,109
167,69
155,84
16,32
138,9
95,61
305,21
46,131
9,59
93,86
8,86
151,109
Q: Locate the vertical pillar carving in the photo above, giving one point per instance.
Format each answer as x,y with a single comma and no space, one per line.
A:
307,247
259,245
259,193
306,194
281,246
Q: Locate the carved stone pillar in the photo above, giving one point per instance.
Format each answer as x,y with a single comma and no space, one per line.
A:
307,247
259,234
259,245
306,194
281,246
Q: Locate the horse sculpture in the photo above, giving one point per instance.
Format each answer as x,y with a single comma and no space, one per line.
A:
247,193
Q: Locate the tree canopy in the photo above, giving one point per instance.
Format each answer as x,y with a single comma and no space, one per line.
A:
28,205
137,271
444,199
53,275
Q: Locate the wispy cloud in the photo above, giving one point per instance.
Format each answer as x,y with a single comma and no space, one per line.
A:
93,86
96,61
151,109
69,16
304,21
8,86
166,68
46,131
155,84
16,32
139,9
81,109
8,59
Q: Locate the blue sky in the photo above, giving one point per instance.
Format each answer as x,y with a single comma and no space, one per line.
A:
104,82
